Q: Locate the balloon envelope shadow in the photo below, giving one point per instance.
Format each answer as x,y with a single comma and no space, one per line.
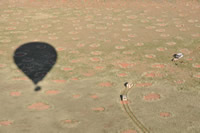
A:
35,59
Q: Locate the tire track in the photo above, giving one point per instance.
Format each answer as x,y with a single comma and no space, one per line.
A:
131,115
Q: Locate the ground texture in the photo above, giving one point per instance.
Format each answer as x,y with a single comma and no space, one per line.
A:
100,46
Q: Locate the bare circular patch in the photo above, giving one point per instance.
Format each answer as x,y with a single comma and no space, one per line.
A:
74,78
96,52
119,47
101,27
46,26
129,131
128,52
94,96
126,29
160,30
125,102
122,74
5,123
73,32
15,93
60,49
38,106
189,59
139,44
197,75
67,69
165,114
157,65
2,65
10,28
74,52
132,35
75,61
124,40
52,92
132,17
99,67
126,65
150,56
143,84
89,74
149,74
161,49
76,96
196,65
193,20
164,35
80,45
151,97
179,81
98,109
20,54
150,27
28,59
105,84
70,123
171,43
95,59
53,37
95,45
21,78
59,81
75,38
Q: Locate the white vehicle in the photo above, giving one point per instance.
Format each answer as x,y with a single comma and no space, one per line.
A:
128,85
177,56
124,98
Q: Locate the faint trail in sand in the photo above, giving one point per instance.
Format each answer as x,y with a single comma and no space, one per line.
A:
134,119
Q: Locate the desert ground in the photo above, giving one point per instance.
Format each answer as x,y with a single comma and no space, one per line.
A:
100,45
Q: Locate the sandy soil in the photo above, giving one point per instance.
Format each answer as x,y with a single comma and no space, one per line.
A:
100,46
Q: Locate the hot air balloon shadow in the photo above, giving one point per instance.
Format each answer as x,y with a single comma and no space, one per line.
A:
35,59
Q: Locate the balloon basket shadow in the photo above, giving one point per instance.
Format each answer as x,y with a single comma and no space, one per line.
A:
38,88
